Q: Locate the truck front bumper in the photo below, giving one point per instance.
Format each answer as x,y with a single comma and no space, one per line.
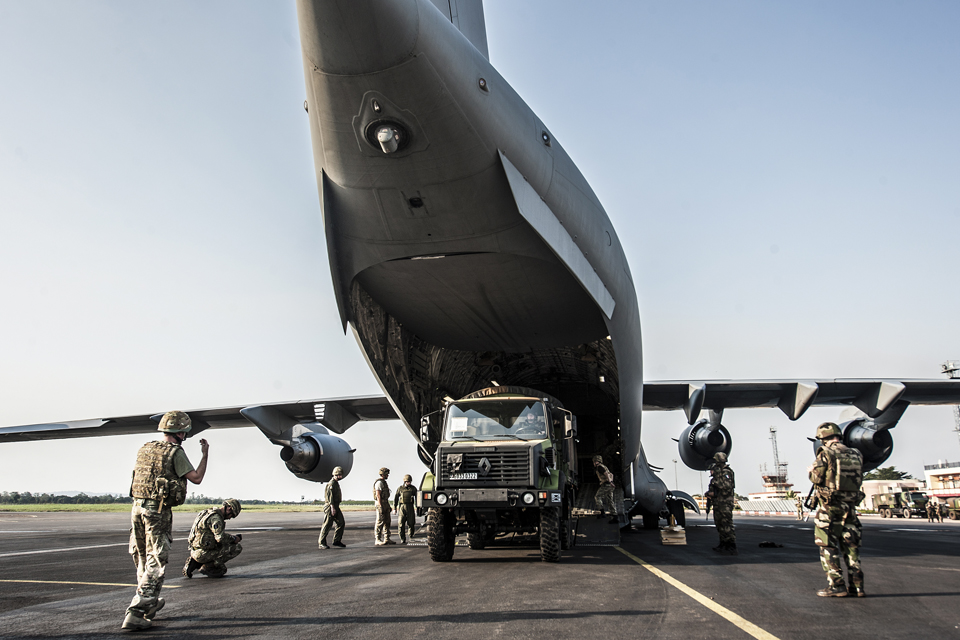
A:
489,498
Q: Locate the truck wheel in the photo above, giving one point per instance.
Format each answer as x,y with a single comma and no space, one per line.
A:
883,513
952,515
550,534
906,513
439,536
476,541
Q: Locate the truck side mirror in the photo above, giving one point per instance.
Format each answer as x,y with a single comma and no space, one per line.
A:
430,425
569,426
425,430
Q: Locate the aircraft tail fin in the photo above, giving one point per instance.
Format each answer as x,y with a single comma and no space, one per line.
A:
467,16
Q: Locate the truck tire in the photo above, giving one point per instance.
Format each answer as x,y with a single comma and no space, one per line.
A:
550,534
440,538
952,515
476,541
907,513
883,513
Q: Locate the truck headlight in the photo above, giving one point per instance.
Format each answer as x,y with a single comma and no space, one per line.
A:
441,499
529,498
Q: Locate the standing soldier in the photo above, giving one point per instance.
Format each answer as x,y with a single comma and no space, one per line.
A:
381,498
721,494
404,503
931,511
837,474
332,512
159,483
210,545
604,495
943,511
799,502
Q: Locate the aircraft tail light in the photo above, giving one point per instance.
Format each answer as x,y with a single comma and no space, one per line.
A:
389,139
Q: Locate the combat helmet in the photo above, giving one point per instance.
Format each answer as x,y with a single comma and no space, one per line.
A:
384,471
337,471
720,457
598,459
828,429
234,505
408,478
175,422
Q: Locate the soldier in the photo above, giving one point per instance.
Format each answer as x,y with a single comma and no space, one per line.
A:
944,512
604,495
404,504
159,483
799,503
210,545
837,475
332,512
936,512
931,511
722,496
381,498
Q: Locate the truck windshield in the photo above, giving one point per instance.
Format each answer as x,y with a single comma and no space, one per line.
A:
917,497
496,420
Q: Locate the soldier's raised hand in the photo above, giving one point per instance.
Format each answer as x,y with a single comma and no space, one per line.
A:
204,446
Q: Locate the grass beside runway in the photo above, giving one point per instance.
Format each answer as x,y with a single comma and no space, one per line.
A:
121,507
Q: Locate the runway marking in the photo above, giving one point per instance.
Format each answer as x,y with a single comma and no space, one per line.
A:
723,612
92,546
96,584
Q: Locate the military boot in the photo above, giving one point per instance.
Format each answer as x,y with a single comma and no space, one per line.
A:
731,549
152,611
191,566
135,622
856,590
838,591
213,571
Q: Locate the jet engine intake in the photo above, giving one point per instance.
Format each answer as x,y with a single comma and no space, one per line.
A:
700,441
874,441
313,456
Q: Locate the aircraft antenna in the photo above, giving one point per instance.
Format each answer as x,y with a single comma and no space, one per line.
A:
951,368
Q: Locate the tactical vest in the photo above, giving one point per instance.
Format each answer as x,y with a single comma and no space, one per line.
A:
845,471
384,493
201,536
154,477
407,495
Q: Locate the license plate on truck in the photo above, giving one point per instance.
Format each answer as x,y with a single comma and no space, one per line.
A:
463,476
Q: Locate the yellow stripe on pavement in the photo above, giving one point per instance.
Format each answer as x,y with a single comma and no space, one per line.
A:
723,612
96,584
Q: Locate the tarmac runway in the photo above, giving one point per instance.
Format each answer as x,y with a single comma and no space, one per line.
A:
68,575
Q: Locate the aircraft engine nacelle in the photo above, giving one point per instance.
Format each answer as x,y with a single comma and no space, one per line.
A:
873,441
700,441
313,456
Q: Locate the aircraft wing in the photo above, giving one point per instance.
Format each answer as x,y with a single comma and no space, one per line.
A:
794,397
336,414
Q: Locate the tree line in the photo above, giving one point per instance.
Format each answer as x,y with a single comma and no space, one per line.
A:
16,497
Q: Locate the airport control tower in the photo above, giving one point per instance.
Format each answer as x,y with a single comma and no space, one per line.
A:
775,484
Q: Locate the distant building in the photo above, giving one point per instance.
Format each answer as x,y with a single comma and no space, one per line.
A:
943,479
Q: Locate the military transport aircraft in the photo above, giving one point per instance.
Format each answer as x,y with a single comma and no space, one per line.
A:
467,250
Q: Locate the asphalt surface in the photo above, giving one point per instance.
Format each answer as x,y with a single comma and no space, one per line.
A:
283,586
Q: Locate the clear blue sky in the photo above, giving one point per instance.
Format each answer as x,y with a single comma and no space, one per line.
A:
785,178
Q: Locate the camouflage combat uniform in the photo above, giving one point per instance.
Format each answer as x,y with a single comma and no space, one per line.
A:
158,485
382,530
604,497
931,511
332,497
721,494
405,502
210,544
837,475
799,508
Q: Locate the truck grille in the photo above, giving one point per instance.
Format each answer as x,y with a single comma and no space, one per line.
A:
510,467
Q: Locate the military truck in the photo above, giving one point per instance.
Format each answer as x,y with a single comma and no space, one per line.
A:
904,504
505,463
953,508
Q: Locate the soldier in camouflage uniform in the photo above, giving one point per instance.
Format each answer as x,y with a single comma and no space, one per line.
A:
405,504
381,499
837,475
799,502
721,494
931,511
210,545
604,497
159,483
333,515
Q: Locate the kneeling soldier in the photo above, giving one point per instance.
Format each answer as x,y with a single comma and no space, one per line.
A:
210,545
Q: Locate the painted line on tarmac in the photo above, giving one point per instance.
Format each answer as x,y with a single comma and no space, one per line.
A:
96,584
92,546
723,612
